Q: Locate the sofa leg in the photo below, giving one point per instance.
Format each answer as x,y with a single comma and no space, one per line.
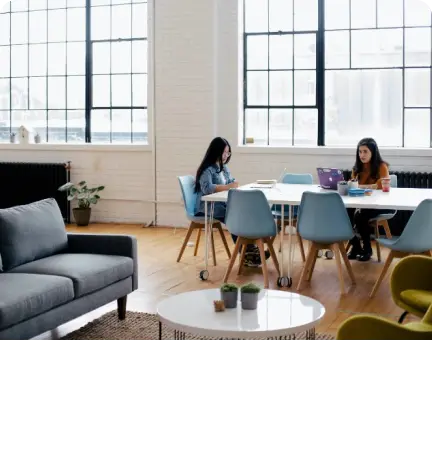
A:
121,307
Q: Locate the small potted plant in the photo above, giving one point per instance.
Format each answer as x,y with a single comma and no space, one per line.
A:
249,295
86,197
229,295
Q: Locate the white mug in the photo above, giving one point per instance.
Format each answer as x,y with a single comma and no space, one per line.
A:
353,185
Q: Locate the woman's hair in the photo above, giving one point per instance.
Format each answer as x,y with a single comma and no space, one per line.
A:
213,156
376,159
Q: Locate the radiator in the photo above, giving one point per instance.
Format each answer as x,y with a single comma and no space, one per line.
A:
24,182
419,180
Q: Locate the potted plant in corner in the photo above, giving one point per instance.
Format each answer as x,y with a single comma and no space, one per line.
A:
229,295
86,197
249,295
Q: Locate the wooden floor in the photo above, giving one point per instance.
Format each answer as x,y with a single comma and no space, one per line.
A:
161,276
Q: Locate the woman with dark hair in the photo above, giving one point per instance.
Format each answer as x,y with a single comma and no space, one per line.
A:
213,176
369,170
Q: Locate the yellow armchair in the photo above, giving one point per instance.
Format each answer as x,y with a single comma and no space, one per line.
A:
411,285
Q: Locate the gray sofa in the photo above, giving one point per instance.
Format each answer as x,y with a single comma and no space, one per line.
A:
49,277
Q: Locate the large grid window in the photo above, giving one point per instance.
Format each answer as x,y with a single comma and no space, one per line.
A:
74,70
330,72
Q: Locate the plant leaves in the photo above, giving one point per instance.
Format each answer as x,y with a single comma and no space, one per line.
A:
82,183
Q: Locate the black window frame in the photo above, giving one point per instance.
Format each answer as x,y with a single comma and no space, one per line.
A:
88,75
321,69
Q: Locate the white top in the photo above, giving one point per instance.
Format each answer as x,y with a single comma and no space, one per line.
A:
291,194
278,314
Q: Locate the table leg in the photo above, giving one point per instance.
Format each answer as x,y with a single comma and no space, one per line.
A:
204,274
310,334
160,330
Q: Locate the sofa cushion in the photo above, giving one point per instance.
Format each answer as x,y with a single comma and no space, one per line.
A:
23,296
30,232
89,273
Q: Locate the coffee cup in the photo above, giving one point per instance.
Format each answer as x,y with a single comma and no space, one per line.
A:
385,184
353,184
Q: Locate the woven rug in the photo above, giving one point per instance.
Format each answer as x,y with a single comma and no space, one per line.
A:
138,326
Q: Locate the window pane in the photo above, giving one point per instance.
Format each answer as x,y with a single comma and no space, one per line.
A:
139,93
38,4
4,29
101,91
18,118
4,62
121,57
38,93
139,125
38,59
139,20
257,52
56,59
77,2
281,88
121,126
56,92
256,15
19,28
76,92
305,126
418,47
337,14
4,94
19,61
417,13
363,13
280,127
19,5
390,13
377,48
337,54
139,56
53,4
281,52
304,87
281,15
101,57
121,90
417,128
101,126
306,15
305,51
38,27
257,88
121,22
417,87
76,24
56,126
76,126
256,125
57,25
100,20
364,103
4,126
76,58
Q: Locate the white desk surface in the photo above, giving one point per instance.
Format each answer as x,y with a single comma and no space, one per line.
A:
291,194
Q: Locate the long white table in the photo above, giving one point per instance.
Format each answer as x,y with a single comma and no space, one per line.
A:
290,195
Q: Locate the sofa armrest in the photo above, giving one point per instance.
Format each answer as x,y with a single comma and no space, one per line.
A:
106,244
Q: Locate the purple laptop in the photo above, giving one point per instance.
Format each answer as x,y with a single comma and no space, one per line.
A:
329,178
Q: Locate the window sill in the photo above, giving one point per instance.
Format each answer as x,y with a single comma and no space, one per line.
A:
406,152
77,147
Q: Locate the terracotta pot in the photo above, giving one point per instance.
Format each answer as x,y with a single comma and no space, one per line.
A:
82,216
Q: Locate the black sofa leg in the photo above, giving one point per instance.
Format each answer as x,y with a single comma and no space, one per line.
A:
121,307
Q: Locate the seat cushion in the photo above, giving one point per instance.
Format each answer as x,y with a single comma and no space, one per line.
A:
30,232
23,296
88,272
417,299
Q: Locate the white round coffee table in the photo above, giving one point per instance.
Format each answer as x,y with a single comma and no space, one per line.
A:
280,315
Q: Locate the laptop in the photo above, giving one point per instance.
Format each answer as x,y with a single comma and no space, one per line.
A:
329,178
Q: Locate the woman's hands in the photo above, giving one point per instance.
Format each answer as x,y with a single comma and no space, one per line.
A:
226,187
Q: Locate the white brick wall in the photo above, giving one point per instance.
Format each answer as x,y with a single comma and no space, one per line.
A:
197,79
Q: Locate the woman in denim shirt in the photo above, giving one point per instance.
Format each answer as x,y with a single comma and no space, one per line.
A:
213,176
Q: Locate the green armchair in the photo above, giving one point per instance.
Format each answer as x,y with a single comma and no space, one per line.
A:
411,285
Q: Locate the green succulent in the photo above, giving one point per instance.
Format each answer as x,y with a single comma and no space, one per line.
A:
229,287
251,288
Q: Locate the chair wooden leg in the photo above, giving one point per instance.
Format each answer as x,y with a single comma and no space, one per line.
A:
260,244
312,267
242,259
186,240
336,251
378,247
347,262
225,243
309,261
300,241
232,260
197,241
383,274
387,229
213,247
273,254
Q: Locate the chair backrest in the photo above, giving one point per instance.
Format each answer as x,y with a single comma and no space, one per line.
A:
248,214
393,181
323,218
187,185
297,178
417,236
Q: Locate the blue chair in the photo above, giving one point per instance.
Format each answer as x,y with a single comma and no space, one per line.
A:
249,217
381,220
323,220
187,185
292,178
416,239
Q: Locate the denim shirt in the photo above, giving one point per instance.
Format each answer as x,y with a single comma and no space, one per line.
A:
208,181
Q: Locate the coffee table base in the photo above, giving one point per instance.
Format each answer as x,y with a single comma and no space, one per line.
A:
181,336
